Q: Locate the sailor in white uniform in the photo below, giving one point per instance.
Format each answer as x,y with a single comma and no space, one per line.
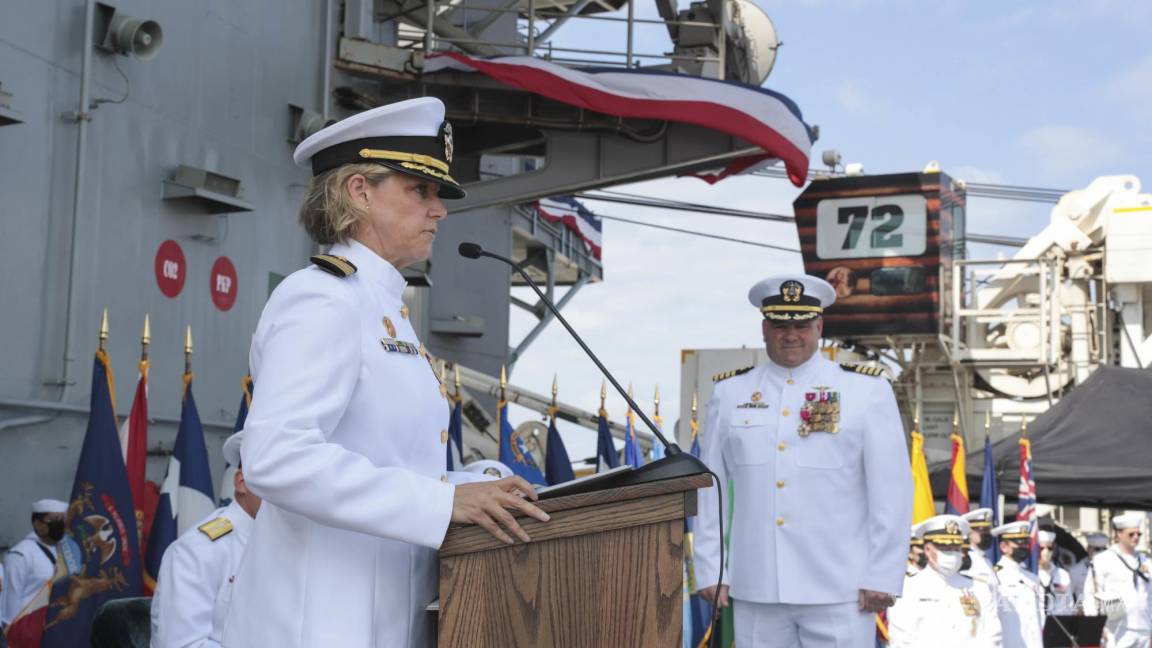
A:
195,583
490,468
31,562
1021,595
941,607
1094,543
1118,586
1055,579
917,560
345,439
822,484
980,540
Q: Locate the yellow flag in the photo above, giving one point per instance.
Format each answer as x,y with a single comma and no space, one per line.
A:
922,505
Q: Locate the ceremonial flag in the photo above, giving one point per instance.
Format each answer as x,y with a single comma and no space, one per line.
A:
756,115
513,453
657,447
1026,508
605,447
557,465
186,496
990,497
134,445
632,454
923,506
228,481
575,217
98,559
956,502
456,435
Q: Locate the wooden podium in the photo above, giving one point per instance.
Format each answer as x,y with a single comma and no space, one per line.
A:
607,570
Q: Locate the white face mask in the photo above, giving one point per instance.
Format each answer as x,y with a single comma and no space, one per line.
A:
948,562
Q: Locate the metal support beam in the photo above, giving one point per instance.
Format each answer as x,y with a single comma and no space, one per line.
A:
515,354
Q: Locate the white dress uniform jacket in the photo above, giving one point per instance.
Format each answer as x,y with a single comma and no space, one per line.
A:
345,443
982,570
27,567
1021,605
195,584
1057,584
816,518
943,612
1111,578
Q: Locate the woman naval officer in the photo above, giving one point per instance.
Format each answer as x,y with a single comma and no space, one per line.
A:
345,436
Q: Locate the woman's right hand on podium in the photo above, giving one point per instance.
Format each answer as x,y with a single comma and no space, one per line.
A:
487,505
708,594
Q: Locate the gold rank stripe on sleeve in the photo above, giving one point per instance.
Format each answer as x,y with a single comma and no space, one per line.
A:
728,374
335,265
876,372
216,529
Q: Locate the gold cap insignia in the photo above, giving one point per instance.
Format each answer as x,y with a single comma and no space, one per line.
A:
792,291
390,327
952,528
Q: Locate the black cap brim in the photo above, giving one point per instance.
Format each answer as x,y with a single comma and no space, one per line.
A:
449,188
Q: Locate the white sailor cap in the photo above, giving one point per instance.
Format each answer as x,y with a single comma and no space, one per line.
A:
944,530
49,506
917,541
1127,521
232,448
980,518
795,297
1014,531
407,136
1096,539
1045,537
489,467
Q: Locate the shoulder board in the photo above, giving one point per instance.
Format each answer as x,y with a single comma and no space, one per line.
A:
728,374
998,567
875,372
335,265
216,529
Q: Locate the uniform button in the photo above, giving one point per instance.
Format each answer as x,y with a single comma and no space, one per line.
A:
444,478
780,484
790,381
404,312
780,521
786,411
746,421
443,436
782,446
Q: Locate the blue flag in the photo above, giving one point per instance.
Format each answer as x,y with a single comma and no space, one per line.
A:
990,497
513,453
227,481
456,436
99,554
632,455
657,447
605,447
557,465
186,496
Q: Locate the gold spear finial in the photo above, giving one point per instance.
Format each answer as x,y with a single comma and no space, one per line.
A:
443,372
503,381
603,392
693,404
987,422
1023,426
145,339
955,421
555,388
656,399
103,329
188,350
456,371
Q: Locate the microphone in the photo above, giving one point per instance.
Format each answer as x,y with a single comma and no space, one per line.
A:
676,462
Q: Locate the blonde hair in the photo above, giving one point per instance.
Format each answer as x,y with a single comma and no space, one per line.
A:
328,213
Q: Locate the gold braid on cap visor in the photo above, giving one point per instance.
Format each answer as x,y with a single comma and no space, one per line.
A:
400,156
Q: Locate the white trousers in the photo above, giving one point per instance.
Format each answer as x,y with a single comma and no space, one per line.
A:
781,625
1123,638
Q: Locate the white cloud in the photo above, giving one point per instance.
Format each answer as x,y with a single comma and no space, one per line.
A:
1069,153
1132,88
851,96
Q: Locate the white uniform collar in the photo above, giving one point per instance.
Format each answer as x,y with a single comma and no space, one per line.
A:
371,266
241,521
1006,562
801,373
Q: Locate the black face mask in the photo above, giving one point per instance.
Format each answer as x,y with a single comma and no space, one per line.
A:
56,530
922,561
966,562
985,542
1021,554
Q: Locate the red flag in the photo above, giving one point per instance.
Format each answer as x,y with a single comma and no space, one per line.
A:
27,628
134,445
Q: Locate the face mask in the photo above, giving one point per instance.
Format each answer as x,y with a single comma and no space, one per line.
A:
985,542
948,562
56,531
1021,554
922,561
966,562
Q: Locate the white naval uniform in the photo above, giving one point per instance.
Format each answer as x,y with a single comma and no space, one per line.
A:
195,583
1110,577
943,612
981,569
1057,584
345,443
1078,572
1021,605
27,568
816,518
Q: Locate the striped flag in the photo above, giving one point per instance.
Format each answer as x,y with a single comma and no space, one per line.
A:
762,117
513,453
1026,509
186,496
605,447
956,502
228,480
574,216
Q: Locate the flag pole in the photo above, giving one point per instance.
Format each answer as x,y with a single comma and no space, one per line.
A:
103,329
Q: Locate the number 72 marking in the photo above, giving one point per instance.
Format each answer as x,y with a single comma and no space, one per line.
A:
883,236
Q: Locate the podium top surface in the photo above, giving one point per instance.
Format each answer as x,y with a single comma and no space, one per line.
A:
623,493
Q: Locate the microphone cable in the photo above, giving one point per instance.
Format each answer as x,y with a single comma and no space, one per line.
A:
714,639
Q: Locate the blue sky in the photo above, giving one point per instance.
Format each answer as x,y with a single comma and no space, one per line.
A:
1049,94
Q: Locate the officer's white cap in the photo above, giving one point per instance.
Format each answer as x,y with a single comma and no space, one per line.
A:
480,465
49,506
792,297
1014,530
1096,539
1127,520
944,529
232,448
1045,537
980,518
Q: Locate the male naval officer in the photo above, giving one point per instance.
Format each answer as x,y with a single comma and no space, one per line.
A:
941,607
821,484
1118,586
980,540
31,562
1021,594
195,584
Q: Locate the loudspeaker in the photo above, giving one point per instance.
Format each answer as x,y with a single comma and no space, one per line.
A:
118,32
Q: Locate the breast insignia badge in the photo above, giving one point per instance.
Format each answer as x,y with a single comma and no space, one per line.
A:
389,326
756,401
820,412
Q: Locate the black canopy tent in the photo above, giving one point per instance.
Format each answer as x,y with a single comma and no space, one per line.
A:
1093,448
